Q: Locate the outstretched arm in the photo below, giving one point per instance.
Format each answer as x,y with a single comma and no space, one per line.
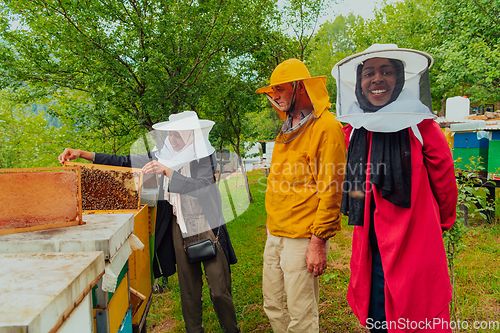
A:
70,154
157,168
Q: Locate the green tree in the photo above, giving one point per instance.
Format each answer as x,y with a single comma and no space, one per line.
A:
115,68
230,105
301,17
406,23
291,32
28,140
398,23
462,36
332,43
137,61
470,48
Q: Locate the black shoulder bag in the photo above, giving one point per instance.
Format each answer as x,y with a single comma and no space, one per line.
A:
204,249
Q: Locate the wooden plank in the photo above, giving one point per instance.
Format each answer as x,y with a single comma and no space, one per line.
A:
141,324
136,299
140,260
101,167
8,231
152,219
109,211
118,306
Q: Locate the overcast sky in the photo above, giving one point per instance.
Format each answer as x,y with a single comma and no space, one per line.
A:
363,8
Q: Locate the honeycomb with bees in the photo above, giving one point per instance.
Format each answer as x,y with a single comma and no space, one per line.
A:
109,188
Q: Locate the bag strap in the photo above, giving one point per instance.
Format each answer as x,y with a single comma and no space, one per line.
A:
217,236
215,181
213,168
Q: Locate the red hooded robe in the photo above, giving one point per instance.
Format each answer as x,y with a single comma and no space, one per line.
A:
417,284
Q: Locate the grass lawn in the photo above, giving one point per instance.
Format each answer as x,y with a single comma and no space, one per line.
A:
477,282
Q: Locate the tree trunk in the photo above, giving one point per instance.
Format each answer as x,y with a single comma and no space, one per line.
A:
443,105
244,173
220,164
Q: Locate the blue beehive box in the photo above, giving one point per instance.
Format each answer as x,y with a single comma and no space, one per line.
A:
495,135
471,140
126,326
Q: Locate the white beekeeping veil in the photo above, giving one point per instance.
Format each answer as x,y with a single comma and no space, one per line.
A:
194,133
409,105
196,199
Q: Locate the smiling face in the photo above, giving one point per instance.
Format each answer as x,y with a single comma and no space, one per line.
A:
378,79
176,140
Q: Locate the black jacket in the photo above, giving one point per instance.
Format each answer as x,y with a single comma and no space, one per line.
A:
164,254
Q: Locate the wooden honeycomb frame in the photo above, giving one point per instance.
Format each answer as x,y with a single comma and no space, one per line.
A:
137,180
27,192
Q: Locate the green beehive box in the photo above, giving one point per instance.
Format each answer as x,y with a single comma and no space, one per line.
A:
494,158
465,154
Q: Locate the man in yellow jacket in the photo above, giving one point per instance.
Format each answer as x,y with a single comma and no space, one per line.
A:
304,190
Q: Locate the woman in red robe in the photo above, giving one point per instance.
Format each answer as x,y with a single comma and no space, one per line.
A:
399,192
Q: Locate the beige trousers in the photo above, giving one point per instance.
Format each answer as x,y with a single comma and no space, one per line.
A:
291,293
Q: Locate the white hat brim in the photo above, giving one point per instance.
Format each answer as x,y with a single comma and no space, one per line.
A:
180,125
415,62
